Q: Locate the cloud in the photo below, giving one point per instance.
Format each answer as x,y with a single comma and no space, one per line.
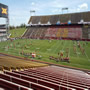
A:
19,12
55,10
18,17
82,7
32,3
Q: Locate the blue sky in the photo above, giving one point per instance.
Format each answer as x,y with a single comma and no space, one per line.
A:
19,10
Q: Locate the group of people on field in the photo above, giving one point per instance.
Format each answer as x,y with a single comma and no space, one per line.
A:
80,46
66,58
61,56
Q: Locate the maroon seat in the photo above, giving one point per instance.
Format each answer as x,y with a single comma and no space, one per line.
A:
50,80
25,83
42,82
72,82
54,77
11,86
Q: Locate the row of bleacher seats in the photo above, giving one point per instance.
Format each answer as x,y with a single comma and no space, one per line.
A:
3,26
86,31
3,32
89,32
57,32
49,78
63,18
7,85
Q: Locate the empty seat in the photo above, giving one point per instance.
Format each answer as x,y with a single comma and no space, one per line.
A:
11,86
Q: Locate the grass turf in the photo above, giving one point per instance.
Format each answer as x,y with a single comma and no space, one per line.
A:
47,48
17,32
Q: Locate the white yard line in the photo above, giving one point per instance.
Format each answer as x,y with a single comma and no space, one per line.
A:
64,45
57,46
76,49
69,49
87,57
53,46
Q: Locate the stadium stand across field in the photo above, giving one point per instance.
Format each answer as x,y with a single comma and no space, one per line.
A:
73,32
66,26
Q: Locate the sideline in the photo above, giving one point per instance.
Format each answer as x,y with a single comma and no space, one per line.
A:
70,67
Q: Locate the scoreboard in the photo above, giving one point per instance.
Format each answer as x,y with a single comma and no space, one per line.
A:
3,11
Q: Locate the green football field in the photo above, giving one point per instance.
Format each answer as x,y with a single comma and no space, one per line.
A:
46,48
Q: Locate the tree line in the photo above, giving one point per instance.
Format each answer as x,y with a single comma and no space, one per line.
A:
20,26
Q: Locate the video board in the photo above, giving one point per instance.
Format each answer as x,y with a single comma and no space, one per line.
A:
3,11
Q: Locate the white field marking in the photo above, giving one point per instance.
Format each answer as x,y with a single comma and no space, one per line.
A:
62,51
48,49
76,49
37,48
64,45
53,46
42,48
78,52
87,56
69,49
57,47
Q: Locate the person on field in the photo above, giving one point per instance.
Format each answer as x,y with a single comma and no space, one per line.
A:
67,59
83,44
33,55
78,43
61,55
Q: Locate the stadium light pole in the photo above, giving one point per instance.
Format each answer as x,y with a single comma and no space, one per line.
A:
32,12
64,9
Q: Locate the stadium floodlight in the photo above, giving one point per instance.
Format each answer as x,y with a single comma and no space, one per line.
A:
64,9
32,12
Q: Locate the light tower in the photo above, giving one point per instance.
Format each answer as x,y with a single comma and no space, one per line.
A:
63,9
32,12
